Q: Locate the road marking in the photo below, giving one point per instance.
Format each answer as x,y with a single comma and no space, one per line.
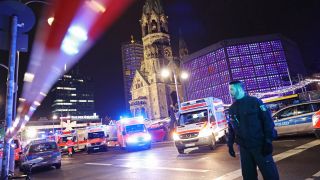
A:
166,168
316,174
152,167
98,164
237,173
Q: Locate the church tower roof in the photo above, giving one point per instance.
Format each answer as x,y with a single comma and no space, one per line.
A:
152,5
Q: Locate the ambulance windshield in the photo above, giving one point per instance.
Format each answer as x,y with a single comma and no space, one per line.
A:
135,128
93,135
193,117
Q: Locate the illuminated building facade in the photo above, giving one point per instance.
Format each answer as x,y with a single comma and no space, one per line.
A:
73,97
132,55
262,63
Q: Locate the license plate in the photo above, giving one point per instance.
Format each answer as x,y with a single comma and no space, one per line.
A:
96,148
189,145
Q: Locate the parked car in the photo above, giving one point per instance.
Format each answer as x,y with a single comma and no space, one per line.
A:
296,119
47,151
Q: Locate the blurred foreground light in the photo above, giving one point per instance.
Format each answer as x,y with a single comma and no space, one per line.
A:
37,103
50,20
22,99
43,94
96,6
72,42
31,133
78,33
184,75
28,77
165,73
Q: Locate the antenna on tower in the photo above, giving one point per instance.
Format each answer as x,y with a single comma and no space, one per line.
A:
132,39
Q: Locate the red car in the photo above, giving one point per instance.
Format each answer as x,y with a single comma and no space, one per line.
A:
316,123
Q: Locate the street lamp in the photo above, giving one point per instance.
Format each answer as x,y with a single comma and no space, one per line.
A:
183,75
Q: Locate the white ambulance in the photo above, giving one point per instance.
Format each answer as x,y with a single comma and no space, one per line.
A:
202,122
92,138
132,133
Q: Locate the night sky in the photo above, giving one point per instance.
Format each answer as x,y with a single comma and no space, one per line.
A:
202,23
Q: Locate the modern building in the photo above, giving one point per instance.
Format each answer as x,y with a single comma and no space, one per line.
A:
73,97
263,63
132,55
152,95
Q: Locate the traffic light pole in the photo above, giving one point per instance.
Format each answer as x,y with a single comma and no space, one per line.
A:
10,96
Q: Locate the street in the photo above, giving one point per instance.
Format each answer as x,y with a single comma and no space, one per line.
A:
296,157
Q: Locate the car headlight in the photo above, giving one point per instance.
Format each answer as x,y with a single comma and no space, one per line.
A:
205,132
147,137
175,136
315,119
132,139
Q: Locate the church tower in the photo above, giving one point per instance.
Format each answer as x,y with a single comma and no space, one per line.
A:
151,93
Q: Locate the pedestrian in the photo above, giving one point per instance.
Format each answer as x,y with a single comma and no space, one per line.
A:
252,128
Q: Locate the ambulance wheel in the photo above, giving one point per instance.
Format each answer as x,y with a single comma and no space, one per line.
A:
180,150
212,146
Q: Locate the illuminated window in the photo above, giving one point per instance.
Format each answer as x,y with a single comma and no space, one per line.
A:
245,61
257,59
254,48
235,62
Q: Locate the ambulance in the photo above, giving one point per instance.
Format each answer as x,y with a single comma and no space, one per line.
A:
132,133
201,122
92,138
67,139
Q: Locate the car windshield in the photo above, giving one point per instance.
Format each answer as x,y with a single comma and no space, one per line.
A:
93,135
43,147
193,117
135,128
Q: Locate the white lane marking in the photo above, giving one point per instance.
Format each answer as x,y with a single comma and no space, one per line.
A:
237,173
98,164
296,150
166,168
152,167
316,174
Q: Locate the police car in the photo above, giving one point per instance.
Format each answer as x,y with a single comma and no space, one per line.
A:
43,149
296,119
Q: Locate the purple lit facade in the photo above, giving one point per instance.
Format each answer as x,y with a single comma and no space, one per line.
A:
260,62
132,55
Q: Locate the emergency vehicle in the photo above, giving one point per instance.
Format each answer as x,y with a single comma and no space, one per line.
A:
132,133
92,138
67,139
202,122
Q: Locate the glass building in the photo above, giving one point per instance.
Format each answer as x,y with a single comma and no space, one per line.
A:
132,55
73,97
262,63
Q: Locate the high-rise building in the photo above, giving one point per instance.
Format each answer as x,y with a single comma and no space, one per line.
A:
132,55
73,97
263,63
152,95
